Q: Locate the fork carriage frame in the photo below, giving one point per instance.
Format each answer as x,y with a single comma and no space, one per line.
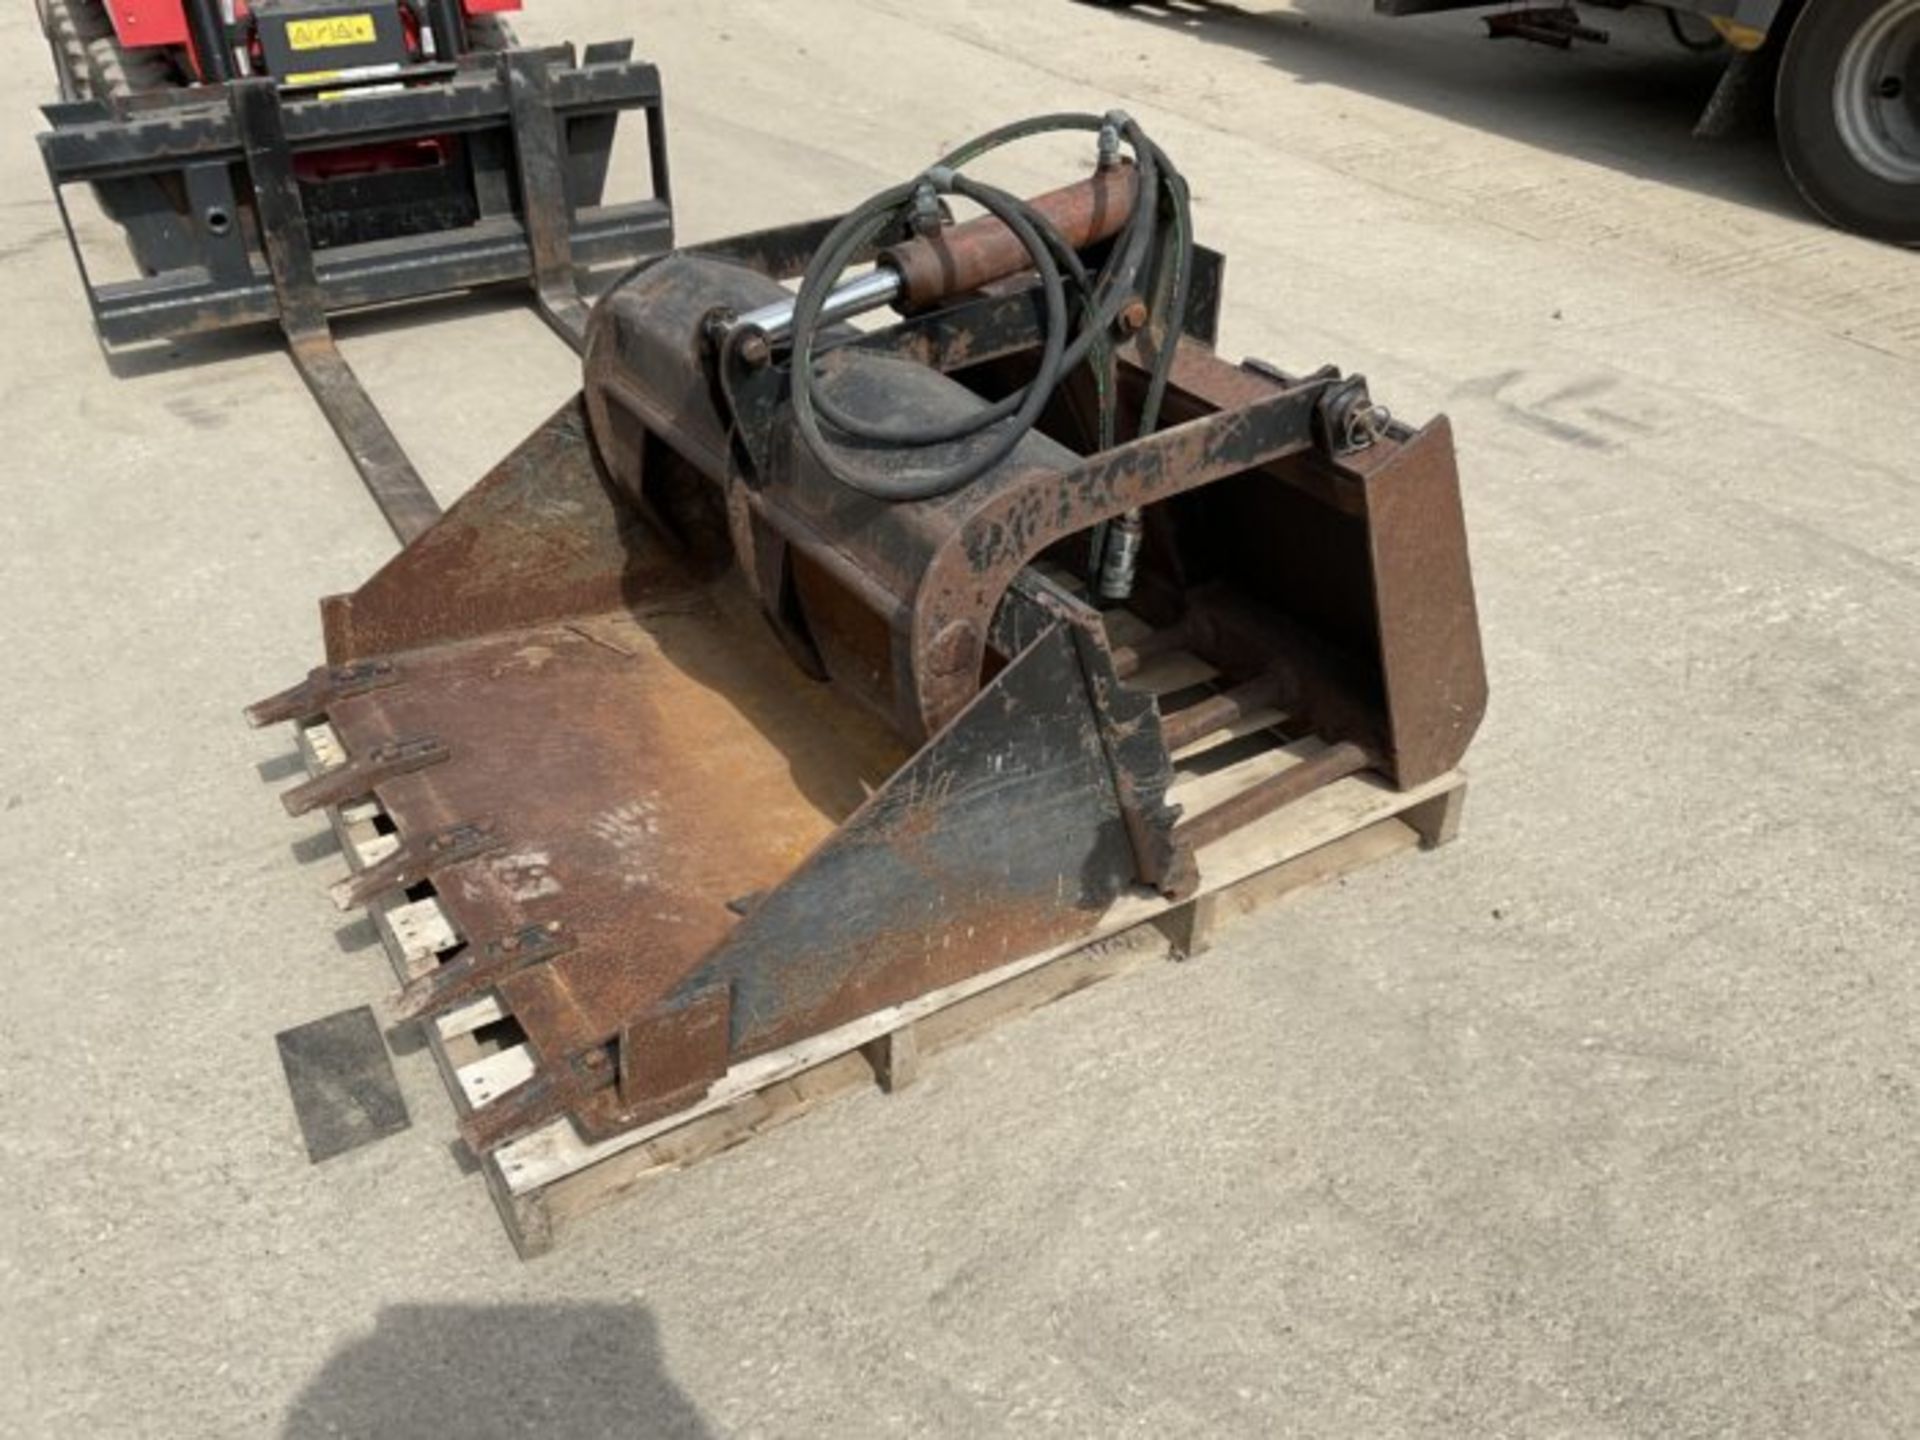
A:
538,129
204,181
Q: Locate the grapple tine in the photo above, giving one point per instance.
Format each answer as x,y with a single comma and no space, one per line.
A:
361,773
668,1058
416,861
324,685
479,968
544,1097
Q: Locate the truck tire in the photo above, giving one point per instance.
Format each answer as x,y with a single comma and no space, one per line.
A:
1847,111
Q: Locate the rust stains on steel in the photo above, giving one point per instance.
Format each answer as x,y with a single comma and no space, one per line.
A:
478,968
959,259
324,684
972,569
364,773
416,860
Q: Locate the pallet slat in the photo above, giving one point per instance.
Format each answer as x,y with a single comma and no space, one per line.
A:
1124,627
470,1017
421,930
492,1076
323,748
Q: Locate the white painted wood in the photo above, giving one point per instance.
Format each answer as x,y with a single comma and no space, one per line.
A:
494,1075
421,930
465,1019
412,932
407,966
376,848
323,748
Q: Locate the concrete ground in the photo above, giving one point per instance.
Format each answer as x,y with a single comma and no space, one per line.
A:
1600,1122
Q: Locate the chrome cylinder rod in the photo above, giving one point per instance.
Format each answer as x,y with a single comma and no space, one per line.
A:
879,286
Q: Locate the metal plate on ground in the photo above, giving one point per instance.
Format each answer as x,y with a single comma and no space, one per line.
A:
343,1086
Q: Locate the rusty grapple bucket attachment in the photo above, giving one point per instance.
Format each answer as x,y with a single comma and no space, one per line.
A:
704,749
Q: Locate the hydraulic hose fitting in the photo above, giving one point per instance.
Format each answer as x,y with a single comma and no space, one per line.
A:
1120,557
925,217
1149,260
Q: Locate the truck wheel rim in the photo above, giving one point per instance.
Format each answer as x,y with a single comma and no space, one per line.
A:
1876,93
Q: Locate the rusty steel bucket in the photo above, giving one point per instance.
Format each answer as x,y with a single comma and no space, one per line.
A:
702,753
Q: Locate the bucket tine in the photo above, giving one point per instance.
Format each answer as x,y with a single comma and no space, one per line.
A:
479,968
313,696
360,774
534,1102
540,1100
415,861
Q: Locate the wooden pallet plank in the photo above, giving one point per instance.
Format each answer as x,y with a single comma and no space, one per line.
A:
526,1221
1437,821
493,1075
320,746
465,1019
1124,628
421,930
895,1058
1070,581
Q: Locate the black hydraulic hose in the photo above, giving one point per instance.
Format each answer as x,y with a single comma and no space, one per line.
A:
1153,254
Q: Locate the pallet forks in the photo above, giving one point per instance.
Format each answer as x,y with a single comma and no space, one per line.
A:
226,193
800,667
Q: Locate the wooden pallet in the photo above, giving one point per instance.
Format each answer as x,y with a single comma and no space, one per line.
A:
546,1181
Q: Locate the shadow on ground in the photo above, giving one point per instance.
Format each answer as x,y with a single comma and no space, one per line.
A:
566,1372
1629,105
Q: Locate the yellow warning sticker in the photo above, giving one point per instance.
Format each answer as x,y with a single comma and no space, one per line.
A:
333,31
